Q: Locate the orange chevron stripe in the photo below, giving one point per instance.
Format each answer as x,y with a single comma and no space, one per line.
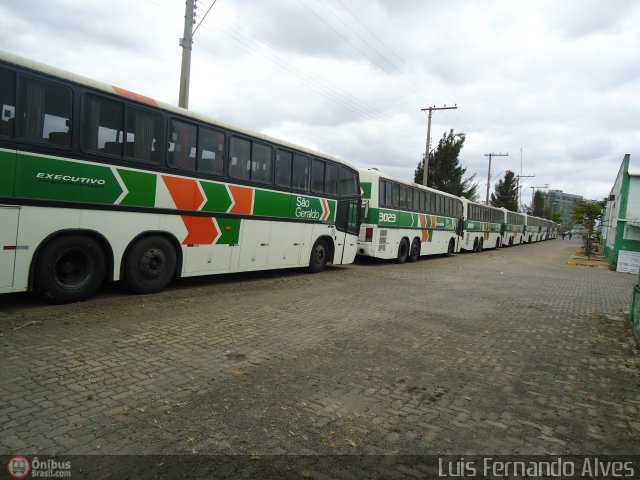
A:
243,198
186,195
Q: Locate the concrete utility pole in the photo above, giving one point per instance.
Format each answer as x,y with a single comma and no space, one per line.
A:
491,155
425,166
186,43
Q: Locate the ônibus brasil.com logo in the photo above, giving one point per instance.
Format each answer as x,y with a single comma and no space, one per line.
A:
19,467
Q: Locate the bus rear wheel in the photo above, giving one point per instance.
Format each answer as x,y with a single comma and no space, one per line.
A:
414,254
150,265
403,251
70,268
319,256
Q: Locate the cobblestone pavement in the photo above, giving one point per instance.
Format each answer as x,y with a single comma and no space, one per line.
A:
500,352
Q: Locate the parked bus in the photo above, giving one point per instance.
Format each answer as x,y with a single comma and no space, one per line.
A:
99,183
534,231
483,226
514,230
404,220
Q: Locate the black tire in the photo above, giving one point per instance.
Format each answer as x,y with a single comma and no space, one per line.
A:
150,265
319,256
481,245
70,268
414,253
497,243
403,251
476,245
451,248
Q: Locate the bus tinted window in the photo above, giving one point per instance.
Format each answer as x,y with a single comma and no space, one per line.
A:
261,158
103,125
46,110
423,201
416,199
8,103
182,145
283,168
388,194
143,134
348,183
317,176
381,198
211,152
240,158
300,172
395,200
331,180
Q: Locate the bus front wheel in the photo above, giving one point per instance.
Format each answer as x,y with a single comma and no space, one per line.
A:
319,256
70,268
150,265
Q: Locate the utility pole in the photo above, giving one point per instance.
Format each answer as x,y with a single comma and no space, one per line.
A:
546,185
186,43
491,155
425,166
518,177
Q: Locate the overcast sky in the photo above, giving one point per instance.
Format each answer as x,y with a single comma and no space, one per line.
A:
555,83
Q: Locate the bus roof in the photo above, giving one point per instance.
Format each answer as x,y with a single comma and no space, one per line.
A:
375,171
113,90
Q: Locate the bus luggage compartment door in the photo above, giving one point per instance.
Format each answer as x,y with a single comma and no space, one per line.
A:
8,236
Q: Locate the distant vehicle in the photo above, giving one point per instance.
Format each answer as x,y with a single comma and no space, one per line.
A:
404,221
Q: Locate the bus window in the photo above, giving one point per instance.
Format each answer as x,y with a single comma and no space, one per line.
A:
182,145
395,201
240,155
211,152
103,125
46,110
331,180
388,194
348,183
143,134
381,193
416,199
300,172
317,176
261,167
423,201
403,196
8,103
283,168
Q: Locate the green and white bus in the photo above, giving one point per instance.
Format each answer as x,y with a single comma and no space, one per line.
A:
483,226
404,220
514,230
99,183
536,229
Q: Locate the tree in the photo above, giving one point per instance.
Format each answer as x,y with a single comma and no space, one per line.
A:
537,206
506,192
445,172
587,212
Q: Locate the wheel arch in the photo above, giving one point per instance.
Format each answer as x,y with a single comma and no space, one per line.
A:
97,236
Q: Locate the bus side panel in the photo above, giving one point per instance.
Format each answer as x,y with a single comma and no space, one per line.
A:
9,218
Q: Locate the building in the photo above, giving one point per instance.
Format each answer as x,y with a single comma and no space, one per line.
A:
563,203
620,232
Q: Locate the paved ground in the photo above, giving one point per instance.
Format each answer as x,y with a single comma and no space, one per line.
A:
499,352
